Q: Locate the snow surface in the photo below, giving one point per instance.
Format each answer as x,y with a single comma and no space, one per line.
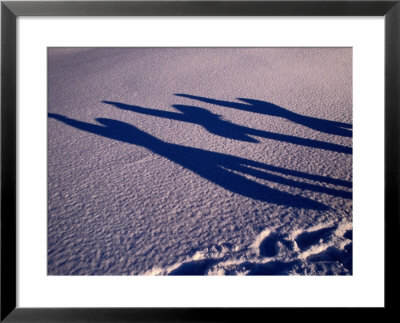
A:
199,161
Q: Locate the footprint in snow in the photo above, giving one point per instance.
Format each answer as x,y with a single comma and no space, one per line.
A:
306,240
271,245
194,268
348,234
332,254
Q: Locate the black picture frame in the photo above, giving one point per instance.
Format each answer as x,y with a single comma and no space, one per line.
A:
10,10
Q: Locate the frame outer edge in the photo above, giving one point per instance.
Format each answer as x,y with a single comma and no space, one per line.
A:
392,151
202,8
8,159
8,162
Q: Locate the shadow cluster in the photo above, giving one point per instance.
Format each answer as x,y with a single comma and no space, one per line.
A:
230,172
267,108
214,124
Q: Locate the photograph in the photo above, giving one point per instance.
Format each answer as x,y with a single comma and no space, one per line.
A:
214,161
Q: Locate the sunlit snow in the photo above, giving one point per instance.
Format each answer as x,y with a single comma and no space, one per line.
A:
200,161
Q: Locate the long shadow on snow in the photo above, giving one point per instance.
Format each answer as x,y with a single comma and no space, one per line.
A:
262,107
216,167
214,124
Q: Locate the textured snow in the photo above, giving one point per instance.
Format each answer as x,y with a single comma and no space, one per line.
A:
199,161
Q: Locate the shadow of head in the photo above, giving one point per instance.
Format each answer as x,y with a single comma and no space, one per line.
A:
57,116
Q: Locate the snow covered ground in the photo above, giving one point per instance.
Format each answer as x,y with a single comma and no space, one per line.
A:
199,161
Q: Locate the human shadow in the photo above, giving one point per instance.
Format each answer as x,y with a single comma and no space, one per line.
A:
210,121
214,124
227,171
263,107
